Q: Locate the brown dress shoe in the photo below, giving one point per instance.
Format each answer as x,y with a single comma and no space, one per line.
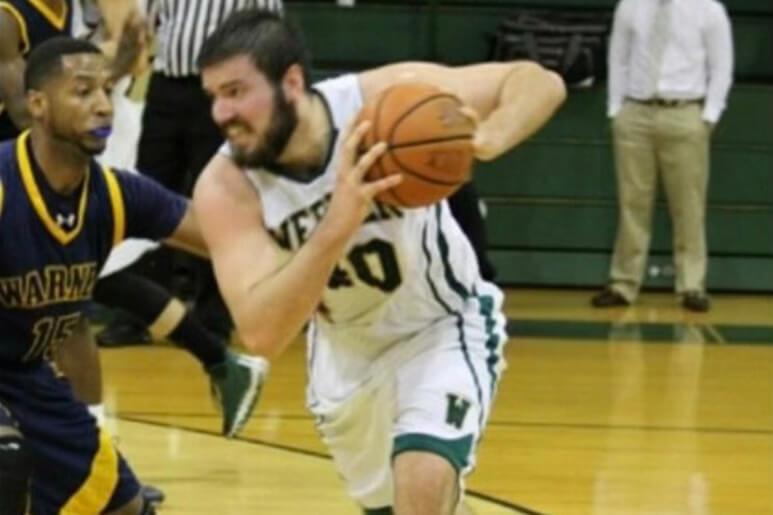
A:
608,298
696,301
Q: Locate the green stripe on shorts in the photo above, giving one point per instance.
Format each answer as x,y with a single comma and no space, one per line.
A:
456,451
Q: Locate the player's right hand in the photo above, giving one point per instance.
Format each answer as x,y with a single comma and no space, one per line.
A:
353,195
130,55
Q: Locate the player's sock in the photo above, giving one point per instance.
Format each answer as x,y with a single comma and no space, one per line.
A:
192,335
148,508
15,471
152,496
164,315
98,412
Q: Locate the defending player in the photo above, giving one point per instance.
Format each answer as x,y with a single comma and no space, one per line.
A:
23,26
60,214
405,340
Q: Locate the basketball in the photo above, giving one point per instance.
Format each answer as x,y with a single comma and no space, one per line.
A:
429,142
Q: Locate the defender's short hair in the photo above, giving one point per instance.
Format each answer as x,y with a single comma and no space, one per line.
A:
45,61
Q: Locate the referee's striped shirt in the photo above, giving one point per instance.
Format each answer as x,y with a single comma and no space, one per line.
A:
183,25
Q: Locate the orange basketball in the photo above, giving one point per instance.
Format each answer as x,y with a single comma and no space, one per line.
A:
429,142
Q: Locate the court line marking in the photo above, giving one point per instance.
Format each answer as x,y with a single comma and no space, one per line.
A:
604,331
714,333
499,423
558,425
517,508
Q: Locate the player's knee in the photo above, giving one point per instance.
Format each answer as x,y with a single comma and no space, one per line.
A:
425,479
424,467
15,472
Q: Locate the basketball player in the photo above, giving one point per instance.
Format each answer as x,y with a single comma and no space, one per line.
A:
23,26
51,448
405,340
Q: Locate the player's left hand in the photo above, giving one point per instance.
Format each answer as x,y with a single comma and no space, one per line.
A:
484,144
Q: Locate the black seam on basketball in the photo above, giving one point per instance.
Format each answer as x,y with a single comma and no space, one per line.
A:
424,178
376,116
392,193
457,137
397,122
376,170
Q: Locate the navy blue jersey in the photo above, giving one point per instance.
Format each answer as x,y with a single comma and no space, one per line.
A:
76,468
37,23
52,246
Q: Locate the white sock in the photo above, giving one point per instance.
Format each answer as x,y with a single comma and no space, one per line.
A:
98,412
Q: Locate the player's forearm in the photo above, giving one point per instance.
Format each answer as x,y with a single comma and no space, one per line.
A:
529,96
121,63
126,56
188,237
273,311
78,357
126,44
115,14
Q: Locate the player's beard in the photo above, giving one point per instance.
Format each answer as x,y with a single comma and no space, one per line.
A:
283,122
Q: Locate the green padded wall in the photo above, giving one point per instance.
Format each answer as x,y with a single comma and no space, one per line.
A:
371,34
734,6
555,196
552,202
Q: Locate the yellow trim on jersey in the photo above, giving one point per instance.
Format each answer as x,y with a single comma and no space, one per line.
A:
116,203
36,199
98,488
1,198
25,36
48,13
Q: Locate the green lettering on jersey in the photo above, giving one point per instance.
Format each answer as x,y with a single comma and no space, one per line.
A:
456,411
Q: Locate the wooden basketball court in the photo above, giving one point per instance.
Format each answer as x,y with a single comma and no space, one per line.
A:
647,410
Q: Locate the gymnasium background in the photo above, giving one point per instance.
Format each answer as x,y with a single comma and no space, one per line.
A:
552,210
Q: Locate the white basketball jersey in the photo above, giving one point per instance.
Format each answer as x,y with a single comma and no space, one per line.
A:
403,271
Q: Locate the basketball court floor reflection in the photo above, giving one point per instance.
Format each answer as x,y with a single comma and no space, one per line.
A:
648,410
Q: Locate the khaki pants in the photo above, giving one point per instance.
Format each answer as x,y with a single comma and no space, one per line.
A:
670,143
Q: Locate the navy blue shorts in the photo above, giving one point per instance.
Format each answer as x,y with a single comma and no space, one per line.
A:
76,468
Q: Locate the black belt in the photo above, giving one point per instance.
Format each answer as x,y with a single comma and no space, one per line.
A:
666,102
182,80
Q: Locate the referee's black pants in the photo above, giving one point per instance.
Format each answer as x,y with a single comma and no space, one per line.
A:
177,139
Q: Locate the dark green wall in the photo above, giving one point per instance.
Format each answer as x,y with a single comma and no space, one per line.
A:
555,197
552,202
376,33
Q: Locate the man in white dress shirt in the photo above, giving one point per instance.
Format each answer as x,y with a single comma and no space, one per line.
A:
670,70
